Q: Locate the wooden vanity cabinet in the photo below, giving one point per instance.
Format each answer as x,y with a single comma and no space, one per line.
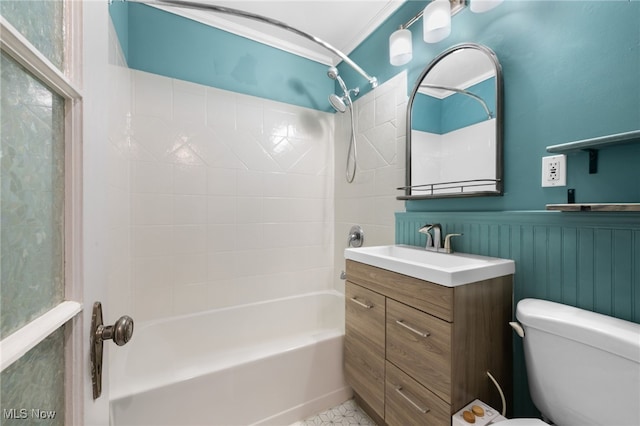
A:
364,344
421,351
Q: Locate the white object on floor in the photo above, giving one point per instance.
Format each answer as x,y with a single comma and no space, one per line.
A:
490,416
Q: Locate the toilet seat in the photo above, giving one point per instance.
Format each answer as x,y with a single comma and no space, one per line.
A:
522,422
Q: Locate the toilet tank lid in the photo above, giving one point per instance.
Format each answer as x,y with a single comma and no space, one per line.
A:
601,331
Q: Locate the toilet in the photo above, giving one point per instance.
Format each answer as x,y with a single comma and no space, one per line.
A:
583,368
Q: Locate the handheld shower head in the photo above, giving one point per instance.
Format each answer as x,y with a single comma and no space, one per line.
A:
337,103
340,103
332,72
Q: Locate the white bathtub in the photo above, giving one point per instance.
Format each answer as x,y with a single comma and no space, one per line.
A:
267,363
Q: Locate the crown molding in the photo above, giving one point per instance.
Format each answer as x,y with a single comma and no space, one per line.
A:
242,30
373,25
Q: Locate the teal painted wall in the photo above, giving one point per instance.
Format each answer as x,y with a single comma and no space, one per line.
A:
427,114
119,12
454,112
570,72
176,47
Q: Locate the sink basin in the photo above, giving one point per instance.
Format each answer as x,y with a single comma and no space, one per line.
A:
446,269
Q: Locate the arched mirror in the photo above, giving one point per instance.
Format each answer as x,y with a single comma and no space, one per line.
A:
454,126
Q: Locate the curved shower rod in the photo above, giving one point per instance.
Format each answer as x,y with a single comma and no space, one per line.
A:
237,12
462,92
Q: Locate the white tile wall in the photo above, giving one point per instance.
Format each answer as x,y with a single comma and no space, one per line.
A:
118,184
231,198
472,148
219,198
370,200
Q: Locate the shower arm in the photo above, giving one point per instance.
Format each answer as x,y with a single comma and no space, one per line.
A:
462,92
230,11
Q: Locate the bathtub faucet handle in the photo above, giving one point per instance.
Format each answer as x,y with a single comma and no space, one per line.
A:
356,236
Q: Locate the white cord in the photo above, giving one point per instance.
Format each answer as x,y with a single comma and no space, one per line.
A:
504,402
352,148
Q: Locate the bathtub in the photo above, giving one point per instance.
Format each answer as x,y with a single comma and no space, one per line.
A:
266,363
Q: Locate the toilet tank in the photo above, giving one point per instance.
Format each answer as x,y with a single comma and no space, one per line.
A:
583,368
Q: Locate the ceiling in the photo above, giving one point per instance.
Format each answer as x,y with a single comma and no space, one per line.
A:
342,23
461,69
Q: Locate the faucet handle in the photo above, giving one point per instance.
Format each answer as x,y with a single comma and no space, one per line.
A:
447,242
356,236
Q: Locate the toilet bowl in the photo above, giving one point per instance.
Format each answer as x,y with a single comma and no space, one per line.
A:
562,345
583,368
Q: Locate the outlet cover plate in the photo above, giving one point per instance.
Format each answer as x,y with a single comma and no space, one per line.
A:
554,170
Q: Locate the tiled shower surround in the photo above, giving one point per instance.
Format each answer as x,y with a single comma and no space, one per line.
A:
235,199
230,198
370,200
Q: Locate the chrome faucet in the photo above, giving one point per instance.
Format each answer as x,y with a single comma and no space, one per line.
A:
434,242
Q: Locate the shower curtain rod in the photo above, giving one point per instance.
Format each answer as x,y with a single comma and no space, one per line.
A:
462,92
230,11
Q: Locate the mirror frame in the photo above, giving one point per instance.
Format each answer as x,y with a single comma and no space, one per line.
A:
499,128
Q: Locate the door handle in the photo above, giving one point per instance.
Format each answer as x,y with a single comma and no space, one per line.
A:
120,333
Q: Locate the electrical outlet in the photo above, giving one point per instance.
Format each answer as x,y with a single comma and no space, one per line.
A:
554,170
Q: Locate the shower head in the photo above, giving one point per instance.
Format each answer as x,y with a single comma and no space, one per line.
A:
337,102
332,72
340,103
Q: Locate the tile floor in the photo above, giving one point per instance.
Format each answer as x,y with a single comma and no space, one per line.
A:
345,414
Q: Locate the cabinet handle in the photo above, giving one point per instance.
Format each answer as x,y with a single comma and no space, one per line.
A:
419,408
408,327
364,305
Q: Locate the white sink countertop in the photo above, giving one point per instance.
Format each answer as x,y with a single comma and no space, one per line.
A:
441,268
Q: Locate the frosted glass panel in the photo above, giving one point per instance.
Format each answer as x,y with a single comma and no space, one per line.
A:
32,388
40,21
31,198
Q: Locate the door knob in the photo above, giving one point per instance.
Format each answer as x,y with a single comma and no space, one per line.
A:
120,333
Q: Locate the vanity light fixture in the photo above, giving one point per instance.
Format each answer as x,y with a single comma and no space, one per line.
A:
436,21
400,48
481,6
436,25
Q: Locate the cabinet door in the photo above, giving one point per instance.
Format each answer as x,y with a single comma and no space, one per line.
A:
365,344
420,344
409,403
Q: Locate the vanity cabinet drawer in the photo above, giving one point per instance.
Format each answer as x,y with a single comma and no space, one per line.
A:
409,403
365,313
365,344
420,344
428,297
